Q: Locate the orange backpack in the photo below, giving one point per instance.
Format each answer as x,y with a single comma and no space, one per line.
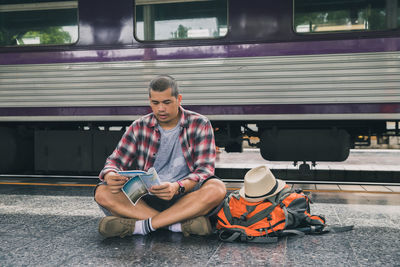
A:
288,212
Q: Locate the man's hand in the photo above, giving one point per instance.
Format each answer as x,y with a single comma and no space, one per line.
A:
115,181
165,191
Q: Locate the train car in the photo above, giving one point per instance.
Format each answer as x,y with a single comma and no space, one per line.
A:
308,78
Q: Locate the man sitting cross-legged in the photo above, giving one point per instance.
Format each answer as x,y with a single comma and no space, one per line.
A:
180,145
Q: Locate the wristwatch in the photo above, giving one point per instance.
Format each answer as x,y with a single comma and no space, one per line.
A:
181,189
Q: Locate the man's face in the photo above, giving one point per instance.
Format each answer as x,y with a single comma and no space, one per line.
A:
165,107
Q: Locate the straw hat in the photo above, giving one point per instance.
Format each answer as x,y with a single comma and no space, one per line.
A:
259,184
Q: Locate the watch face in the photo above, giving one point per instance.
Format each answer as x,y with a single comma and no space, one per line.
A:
181,189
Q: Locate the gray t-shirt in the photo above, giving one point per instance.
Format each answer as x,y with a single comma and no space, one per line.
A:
169,163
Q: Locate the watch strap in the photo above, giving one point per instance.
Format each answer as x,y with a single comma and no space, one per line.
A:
181,189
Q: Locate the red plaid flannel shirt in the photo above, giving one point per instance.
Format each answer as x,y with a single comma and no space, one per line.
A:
141,141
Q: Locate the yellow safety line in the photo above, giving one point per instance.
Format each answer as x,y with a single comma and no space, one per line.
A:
349,191
229,188
334,191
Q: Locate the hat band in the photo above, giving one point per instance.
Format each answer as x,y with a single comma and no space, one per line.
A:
269,193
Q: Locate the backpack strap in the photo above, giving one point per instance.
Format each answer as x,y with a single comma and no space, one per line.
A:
227,210
233,235
292,231
278,198
275,201
241,221
260,215
260,239
285,212
229,236
312,229
249,209
337,229
318,229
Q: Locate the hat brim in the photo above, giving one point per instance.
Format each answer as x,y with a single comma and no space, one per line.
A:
281,185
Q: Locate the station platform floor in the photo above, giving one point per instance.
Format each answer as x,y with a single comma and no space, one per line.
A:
43,225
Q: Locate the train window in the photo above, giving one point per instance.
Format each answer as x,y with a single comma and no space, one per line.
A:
313,16
38,22
180,19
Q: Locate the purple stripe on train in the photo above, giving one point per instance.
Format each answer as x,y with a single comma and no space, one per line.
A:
208,51
385,108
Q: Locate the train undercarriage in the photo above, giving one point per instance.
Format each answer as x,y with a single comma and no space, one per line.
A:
82,147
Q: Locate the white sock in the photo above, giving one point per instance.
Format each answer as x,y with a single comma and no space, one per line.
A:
143,227
176,227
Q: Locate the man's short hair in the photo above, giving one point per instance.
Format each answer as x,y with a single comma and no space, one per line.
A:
162,83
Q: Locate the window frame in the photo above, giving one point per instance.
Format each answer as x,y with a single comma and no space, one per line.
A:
367,33
177,41
56,5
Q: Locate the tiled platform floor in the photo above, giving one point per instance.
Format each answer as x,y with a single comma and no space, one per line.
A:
57,226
